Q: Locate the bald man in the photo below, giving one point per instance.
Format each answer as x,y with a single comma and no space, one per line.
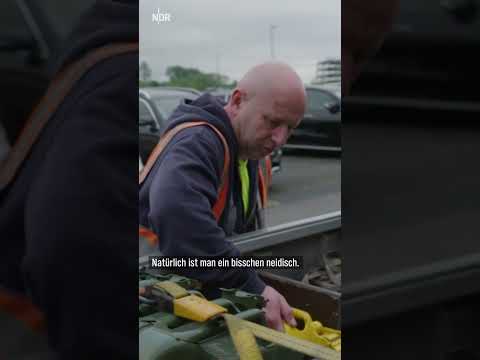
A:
177,196
266,106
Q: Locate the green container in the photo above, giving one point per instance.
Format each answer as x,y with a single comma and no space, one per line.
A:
164,336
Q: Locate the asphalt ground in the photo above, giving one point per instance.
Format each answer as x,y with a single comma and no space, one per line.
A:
309,184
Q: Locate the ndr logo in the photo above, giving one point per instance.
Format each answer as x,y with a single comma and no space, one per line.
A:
160,17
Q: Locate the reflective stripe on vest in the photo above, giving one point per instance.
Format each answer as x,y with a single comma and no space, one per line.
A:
262,184
22,309
219,206
245,183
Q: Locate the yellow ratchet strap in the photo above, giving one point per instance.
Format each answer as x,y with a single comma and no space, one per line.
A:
189,306
243,332
244,345
314,331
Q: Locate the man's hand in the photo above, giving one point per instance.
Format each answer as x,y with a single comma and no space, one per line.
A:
277,309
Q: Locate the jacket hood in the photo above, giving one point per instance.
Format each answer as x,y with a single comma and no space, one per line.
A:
206,108
107,21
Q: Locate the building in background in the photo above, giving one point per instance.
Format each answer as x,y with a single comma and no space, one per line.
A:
328,75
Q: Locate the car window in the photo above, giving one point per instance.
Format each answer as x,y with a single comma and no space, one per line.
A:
166,105
144,112
317,99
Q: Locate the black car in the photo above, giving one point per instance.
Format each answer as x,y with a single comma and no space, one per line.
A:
166,99
320,128
222,94
155,106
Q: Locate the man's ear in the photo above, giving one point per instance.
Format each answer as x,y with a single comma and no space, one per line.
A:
236,99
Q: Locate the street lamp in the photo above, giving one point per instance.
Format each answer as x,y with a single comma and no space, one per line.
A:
272,44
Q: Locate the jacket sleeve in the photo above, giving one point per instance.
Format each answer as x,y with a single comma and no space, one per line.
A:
81,264
182,194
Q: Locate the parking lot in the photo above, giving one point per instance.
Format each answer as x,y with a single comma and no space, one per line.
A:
308,185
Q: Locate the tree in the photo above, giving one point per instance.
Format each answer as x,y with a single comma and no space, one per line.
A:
150,83
145,71
194,78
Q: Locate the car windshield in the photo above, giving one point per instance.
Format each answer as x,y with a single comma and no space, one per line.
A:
166,105
144,113
317,99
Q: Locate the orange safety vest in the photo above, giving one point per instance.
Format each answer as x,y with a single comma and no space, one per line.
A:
18,305
148,235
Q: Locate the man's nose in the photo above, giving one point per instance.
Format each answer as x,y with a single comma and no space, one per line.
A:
279,136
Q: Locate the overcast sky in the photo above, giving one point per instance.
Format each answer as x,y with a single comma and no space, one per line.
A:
231,36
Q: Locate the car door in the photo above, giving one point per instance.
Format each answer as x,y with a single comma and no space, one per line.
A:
148,128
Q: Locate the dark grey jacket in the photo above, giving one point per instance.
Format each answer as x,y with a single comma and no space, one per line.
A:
177,196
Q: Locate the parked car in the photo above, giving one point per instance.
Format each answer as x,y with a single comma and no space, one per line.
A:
320,128
155,106
150,123
166,99
223,94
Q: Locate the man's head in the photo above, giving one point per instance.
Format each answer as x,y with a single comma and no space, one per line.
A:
268,102
364,26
